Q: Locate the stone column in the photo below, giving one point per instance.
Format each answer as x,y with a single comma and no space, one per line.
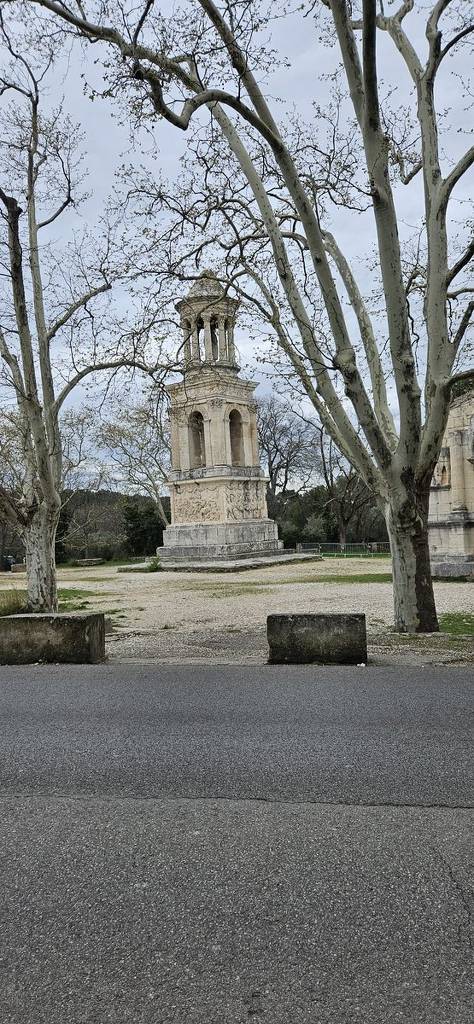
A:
217,432
222,340
247,440
207,337
175,445
187,345
230,341
226,434
195,343
254,435
183,438
172,502
458,486
208,440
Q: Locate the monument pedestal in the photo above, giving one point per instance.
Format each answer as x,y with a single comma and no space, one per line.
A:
207,542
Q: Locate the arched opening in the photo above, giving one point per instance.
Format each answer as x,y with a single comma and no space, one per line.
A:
444,477
236,438
215,338
197,444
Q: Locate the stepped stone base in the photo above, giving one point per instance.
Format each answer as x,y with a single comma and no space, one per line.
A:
209,542
236,565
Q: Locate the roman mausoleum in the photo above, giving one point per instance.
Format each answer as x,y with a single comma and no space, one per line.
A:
451,512
217,487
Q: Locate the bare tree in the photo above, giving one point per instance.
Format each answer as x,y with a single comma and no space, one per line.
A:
287,446
275,206
55,328
348,496
136,447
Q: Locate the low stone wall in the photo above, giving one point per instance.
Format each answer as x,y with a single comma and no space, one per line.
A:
321,639
459,567
66,638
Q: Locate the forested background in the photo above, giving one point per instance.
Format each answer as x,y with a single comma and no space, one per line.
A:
113,526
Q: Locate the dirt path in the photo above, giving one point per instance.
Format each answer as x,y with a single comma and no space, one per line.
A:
221,618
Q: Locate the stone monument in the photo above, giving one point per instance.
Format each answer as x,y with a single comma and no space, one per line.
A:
451,512
217,487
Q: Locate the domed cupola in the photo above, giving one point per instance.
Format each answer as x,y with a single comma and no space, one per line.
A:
208,317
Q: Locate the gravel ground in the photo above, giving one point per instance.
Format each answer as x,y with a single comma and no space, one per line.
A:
221,618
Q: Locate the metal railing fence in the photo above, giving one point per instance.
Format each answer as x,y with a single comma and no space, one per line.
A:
367,549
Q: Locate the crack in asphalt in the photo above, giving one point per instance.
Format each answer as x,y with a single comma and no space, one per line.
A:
182,798
463,896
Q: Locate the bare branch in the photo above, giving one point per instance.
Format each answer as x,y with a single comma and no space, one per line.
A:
463,165
462,262
79,304
463,326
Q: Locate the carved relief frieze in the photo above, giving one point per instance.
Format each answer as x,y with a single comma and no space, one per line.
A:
245,500
197,504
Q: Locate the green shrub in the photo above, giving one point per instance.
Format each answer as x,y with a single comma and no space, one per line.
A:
154,565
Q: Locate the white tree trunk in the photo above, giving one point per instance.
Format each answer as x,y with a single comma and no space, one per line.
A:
39,540
414,604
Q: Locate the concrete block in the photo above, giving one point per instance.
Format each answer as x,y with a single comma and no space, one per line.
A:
66,638
19,567
322,639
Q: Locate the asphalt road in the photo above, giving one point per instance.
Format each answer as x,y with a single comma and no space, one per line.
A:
211,845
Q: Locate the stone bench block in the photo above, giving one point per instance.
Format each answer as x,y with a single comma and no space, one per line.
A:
321,639
66,638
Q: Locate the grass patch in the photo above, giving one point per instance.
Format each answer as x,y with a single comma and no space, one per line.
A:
228,589
355,577
12,602
103,564
360,577
237,590
73,599
95,579
457,623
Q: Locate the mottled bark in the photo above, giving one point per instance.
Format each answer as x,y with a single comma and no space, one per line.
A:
407,525
39,538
